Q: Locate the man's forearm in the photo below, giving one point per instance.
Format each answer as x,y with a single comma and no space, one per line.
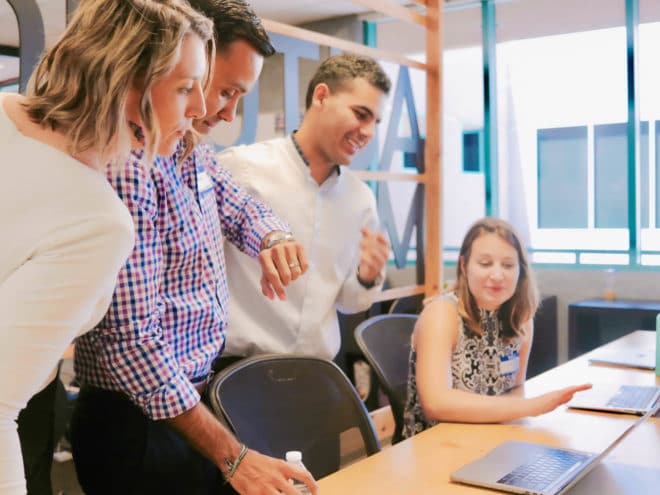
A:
256,473
205,433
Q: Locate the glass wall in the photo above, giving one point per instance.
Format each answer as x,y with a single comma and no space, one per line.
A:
562,106
649,108
562,110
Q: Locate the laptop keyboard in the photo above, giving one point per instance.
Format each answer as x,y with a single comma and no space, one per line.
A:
631,397
543,470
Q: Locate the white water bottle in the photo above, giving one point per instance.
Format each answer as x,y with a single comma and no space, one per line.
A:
295,457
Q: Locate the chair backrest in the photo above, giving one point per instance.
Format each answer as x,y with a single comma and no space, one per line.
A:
385,342
411,305
275,403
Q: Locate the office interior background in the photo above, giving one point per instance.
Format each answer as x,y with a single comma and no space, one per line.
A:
560,171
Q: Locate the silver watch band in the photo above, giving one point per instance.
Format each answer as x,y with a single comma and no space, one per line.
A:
275,237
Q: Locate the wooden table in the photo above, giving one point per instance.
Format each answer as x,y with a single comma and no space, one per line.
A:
422,464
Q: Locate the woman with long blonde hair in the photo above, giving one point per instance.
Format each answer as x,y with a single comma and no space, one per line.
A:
472,344
124,74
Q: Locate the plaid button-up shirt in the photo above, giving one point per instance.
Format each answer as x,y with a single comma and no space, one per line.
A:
167,319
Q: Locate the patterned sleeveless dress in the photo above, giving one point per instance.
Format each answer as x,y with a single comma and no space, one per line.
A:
475,367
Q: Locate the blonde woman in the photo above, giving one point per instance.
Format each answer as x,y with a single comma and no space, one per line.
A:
472,344
125,73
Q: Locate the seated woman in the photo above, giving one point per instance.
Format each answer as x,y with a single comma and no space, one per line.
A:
472,344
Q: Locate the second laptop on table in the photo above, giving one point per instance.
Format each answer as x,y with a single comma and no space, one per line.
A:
523,467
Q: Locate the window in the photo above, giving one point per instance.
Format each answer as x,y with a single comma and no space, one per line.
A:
9,88
559,143
611,172
473,151
9,70
563,154
562,181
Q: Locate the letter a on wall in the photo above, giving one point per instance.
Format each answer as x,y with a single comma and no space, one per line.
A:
410,144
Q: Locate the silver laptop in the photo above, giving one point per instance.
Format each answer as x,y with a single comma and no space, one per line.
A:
625,357
629,399
522,467
612,478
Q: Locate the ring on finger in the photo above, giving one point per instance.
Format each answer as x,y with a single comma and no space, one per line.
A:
294,264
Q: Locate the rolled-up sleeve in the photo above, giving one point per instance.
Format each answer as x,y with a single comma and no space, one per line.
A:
129,343
245,220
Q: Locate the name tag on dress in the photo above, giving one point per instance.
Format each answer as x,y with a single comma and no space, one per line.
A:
509,364
204,183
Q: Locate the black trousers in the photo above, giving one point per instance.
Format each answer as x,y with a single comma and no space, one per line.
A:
38,427
224,362
119,450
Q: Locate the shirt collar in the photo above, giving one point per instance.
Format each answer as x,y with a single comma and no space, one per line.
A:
302,155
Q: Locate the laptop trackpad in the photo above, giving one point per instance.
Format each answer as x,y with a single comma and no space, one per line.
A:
598,396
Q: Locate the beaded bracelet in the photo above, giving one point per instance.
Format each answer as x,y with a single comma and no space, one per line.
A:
233,466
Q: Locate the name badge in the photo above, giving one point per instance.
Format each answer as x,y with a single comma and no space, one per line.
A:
204,183
509,364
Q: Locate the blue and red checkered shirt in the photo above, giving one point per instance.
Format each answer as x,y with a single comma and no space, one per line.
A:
167,319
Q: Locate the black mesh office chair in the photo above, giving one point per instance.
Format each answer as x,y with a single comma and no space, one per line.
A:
275,403
411,305
385,342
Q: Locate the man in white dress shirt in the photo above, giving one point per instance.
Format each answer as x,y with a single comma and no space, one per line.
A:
331,211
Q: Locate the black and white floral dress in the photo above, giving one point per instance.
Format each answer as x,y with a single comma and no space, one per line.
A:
478,365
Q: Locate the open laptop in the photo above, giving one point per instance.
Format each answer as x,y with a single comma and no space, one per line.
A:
629,399
613,478
625,357
523,467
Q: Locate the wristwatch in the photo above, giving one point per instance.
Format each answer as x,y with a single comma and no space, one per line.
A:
275,237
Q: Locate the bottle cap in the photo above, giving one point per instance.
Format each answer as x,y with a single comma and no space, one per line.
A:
293,456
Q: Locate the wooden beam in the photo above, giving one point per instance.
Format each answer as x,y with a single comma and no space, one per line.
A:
393,10
391,294
432,177
340,44
433,150
385,176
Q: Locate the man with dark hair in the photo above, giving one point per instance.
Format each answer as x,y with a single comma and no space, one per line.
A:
331,210
241,44
141,424
337,72
234,20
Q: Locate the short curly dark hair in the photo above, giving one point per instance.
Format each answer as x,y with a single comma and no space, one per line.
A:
336,70
235,20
